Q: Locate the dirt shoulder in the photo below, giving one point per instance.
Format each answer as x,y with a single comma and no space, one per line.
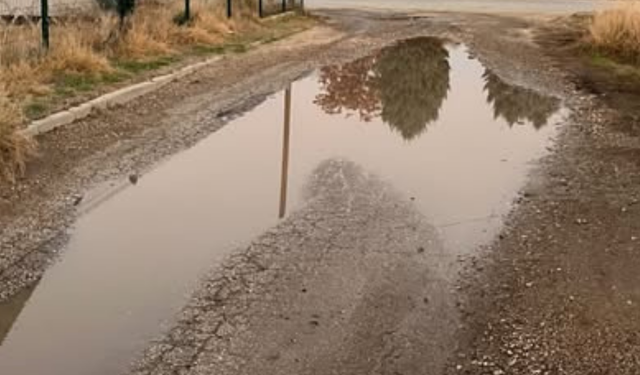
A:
559,291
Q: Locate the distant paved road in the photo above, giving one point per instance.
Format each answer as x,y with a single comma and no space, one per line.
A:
31,7
489,6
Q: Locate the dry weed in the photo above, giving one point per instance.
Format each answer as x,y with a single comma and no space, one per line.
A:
617,30
15,148
147,33
23,79
73,50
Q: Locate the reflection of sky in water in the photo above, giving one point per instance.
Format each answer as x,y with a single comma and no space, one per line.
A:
132,259
406,84
467,162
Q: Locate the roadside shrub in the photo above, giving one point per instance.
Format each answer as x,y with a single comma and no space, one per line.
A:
74,50
617,31
21,80
19,42
148,33
160,29
15,149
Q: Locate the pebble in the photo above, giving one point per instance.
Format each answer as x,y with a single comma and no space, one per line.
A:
133,178
77,199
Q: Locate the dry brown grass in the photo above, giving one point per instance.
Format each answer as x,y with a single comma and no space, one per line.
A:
148,33
15,149
154,31
617,30
26,71
74,49
22,80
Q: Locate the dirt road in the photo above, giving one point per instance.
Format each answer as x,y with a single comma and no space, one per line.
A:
357,281
548,7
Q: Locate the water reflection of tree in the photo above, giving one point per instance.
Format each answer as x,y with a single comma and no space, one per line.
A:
412,78
349,88
405,84
518,104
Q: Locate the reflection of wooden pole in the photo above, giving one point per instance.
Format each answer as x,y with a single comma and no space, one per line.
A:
285,152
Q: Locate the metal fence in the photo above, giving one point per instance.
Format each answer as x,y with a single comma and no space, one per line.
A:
271,7
29,9
28,27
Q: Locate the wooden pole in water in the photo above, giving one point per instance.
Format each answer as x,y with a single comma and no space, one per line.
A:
284,176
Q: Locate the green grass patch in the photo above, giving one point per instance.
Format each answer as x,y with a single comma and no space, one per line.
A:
135,67
232,47
36,109
115,77
203,50
69,84
236,48
77,82
619,69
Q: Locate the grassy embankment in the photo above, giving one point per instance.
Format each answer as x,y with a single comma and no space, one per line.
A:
89,55
614,35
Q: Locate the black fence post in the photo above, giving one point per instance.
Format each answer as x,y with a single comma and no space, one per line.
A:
44,15
229,13
260,11
284,6
187,10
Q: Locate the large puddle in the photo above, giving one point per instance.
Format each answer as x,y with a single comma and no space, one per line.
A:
429,119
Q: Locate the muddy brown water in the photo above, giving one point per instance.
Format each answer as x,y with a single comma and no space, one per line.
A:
446,132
